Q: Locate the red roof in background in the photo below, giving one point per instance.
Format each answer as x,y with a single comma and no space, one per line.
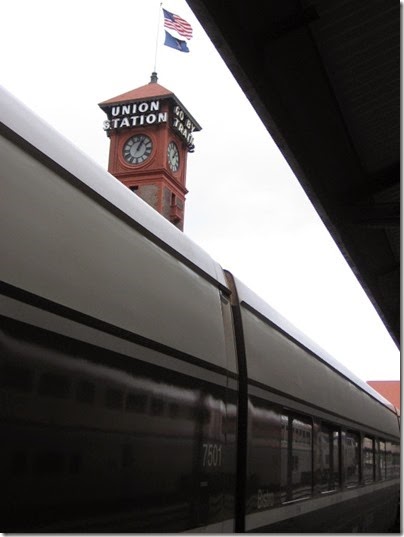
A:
389,389
150,90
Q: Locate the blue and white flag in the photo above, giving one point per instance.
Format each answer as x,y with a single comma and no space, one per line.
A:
173,42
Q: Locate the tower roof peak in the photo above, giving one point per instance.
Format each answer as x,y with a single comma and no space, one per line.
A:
150,90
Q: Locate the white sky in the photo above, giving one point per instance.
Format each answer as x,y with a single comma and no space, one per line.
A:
244,206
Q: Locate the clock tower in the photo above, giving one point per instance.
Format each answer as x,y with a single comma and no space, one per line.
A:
151,134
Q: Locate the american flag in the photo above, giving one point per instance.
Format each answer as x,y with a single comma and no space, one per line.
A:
175,22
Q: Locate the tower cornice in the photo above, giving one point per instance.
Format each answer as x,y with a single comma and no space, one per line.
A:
148,92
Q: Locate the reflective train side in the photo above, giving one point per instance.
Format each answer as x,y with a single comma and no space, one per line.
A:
143,388
333,445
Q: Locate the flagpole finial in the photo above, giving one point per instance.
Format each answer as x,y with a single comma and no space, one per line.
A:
153,78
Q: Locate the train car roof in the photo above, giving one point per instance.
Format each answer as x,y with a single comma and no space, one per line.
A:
252,301
25,128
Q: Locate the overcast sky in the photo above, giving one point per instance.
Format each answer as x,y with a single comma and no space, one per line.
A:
244,207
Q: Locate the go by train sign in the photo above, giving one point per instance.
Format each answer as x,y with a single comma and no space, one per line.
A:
145,113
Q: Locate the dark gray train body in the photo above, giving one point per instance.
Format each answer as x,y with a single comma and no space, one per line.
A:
144,389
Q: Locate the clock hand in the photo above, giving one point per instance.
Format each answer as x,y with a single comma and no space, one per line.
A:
139,146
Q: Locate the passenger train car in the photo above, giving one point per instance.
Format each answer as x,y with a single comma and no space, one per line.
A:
145,389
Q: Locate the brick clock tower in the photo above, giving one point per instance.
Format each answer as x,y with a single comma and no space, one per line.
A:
151,133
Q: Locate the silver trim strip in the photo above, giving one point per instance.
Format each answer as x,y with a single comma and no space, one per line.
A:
281,513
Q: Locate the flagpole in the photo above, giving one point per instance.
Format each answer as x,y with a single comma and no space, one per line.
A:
157,38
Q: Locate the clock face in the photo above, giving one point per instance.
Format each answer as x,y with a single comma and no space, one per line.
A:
137,149
173,156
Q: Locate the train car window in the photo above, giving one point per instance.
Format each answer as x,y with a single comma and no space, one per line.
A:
296,458
173,410
85,392
189,412
396,459
54,385
127,457
16,378
49,462
113,398
19,463
329,447
136,402
284,456
263,488
368,460
389,461
75,463
381,460
156,406
352,459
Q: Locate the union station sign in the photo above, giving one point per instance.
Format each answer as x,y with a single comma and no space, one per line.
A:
146,113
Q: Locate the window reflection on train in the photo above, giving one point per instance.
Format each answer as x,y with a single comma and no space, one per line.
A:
296,461
286,466
329,452
98,430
